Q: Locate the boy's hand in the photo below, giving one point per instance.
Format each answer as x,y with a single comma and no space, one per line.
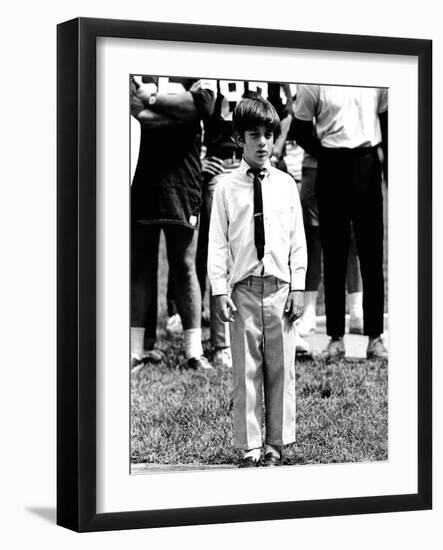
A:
294,305
225,307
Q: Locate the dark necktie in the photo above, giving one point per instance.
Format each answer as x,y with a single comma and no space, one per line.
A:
259,228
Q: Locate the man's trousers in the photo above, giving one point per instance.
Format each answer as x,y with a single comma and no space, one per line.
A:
263,356
348,189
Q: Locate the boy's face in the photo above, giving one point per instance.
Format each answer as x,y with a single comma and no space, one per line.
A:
257,146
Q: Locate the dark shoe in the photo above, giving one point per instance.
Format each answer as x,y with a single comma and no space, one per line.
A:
248,462
153,356
195,363
271,460
376,349
335,350
136,362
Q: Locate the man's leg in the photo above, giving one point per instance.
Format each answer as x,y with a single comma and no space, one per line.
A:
354,286
333,197
307,323
203,233
181,244
144,262
368,226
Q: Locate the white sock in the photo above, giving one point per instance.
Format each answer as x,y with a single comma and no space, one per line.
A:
253,453
193,342
137,338
355,304
273,450
310,301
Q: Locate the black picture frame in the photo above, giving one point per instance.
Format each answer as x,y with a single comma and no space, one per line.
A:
76,273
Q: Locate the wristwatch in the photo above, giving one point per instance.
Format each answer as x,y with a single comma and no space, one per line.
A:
152,99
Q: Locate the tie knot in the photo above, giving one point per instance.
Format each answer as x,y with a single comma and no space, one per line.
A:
260,174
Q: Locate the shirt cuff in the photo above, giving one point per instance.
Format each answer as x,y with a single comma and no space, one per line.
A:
219,287
298,281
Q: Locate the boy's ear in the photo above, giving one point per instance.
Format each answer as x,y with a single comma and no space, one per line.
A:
239,139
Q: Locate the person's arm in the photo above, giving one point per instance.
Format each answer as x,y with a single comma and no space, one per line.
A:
298,257
306,136
279,144
218,255
305,111
184,106
146,116
384,141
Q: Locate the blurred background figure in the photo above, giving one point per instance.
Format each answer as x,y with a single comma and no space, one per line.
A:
349,126
166,194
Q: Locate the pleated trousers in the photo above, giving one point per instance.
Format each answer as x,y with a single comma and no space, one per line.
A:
263,356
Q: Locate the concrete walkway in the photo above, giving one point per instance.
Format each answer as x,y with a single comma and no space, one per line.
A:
355,344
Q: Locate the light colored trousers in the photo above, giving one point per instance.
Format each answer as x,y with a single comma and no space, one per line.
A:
263,356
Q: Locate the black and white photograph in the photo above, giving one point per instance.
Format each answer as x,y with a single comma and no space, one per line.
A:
259,316
251,252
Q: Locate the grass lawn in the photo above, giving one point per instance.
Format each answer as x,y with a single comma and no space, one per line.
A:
184,417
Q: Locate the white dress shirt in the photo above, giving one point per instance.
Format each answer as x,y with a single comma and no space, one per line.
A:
232,255
345,116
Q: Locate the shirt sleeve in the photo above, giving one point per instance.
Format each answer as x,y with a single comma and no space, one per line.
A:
204,100
306,102
382,100
298,257
218,247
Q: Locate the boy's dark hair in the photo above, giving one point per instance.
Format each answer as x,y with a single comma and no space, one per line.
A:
254,111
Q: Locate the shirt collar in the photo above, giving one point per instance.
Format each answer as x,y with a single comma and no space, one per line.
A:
244,167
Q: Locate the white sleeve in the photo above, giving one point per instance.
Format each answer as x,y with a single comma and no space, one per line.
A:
382,100
218,246
298,257
306,102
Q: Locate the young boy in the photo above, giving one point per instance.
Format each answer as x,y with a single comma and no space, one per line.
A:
257,251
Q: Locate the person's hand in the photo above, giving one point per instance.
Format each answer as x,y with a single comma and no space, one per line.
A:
225,307
144,91
294,305
212,166
196,86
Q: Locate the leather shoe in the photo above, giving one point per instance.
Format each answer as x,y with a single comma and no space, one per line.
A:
200,363
248,462
376,349
271,460
334,351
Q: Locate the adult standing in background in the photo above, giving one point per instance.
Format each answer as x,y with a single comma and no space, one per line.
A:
166,195
350,123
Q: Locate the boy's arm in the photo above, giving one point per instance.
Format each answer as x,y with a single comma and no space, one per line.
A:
298,257
218,248
218,256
